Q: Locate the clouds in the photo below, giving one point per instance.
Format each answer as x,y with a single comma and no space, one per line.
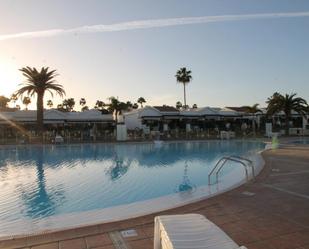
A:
153,23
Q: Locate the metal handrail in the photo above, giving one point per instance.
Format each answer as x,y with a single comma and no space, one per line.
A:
209,175
237,159
247,160
233,160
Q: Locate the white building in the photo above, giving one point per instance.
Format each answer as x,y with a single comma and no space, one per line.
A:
166,114
81,125
55,117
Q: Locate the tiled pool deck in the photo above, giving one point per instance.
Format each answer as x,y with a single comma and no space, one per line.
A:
271,213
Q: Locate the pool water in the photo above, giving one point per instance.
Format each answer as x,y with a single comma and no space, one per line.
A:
302,141
42,181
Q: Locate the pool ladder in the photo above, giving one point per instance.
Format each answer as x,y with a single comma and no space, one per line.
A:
247,163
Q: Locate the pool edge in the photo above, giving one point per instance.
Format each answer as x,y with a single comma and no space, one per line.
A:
139,213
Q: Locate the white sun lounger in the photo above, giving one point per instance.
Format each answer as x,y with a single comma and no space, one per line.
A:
189,231
59,139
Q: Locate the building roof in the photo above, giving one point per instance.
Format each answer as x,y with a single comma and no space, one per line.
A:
172,112
54,115
202,111
166,108
237,109
227,112
91,115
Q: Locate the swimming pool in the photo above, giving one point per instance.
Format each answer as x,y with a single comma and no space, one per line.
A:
301,141
39,183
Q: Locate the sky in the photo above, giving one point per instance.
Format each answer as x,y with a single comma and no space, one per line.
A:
239,51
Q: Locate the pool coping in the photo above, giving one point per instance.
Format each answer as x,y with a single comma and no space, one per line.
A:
247,139
121,213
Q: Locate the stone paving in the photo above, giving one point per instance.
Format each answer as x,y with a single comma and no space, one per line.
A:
270,213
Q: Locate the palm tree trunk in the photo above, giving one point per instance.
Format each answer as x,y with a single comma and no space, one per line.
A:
184,95
116,117
40,117
253,125
287,125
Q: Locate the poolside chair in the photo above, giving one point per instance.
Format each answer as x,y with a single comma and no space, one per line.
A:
59,139
190,231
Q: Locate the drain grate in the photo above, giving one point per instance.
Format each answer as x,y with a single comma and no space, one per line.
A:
247,193
128,233
118,241
275,170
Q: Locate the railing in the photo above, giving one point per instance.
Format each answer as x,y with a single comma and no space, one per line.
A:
242,160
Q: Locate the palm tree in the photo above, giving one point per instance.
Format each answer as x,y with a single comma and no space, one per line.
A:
117,107
60,108
252,110
14,99
4,101
85,108
99,105
178,105
68,104
135,106
37,83
141,100
26,101
50,103
82,102
183,76
286,103
129,104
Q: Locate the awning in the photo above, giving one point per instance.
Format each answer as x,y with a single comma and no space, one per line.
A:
53,121
152,118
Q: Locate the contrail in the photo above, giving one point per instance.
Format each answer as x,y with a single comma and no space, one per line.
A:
152,23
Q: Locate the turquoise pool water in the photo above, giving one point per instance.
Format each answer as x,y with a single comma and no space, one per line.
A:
42,181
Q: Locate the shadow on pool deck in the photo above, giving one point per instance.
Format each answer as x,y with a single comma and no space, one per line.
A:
271,213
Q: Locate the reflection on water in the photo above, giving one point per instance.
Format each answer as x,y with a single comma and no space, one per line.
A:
40,202
39,181
119,169
186,184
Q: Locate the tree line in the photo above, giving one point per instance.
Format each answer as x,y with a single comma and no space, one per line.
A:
38,82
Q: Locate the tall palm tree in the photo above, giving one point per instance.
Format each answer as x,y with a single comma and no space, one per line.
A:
37,83
286,103
141,100
252,110
184,77
26,101
50,103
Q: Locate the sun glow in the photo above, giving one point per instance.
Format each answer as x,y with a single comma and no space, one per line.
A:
10,78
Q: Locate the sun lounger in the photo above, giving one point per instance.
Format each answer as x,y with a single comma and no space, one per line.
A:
59,139
190,231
